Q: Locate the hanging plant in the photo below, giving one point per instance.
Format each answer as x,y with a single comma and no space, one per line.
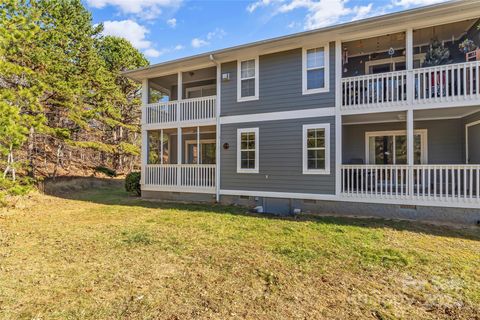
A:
466,46
436,55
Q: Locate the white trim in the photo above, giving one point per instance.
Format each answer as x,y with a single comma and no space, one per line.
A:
343,198
281,115
338,118
467,126
239,158
207,86
326,69
326,128
239,80
423,141
201,141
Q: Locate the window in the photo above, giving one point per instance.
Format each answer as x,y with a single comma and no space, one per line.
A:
247,84
158,147
247,150
390,147
207,151
316,149
315,70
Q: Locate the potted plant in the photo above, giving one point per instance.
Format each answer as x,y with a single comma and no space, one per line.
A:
467,46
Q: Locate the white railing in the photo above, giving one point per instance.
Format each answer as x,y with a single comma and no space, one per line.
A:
375,90
376,180
180,177
440,84
195,109
198,108
447,83
419,182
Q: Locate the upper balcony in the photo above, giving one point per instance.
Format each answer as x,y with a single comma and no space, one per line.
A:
182,99
425,68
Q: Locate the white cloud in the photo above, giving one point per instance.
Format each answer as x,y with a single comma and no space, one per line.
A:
179,47
197,42
147,9
321,13
130,30
411,3
260,3
218,33
152,53
172,22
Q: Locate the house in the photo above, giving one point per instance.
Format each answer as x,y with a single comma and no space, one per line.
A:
377,117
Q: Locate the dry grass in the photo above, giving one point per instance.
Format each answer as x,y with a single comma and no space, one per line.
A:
105,255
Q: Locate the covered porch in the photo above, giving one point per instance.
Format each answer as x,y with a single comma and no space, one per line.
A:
181,160
423,155
426,67
181,98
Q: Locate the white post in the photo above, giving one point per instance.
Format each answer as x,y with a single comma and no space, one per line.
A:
217,144
144,146
198,146
179,155
179,96
410,148
409,66
338,117
161,146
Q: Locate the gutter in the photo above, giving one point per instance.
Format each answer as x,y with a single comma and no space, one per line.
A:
217,118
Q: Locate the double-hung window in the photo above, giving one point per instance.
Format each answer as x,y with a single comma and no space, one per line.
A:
315,77
247,83
247,150
316,148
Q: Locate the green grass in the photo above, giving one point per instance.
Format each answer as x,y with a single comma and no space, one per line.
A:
102,254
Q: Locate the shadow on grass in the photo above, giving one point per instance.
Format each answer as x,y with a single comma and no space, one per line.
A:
111,192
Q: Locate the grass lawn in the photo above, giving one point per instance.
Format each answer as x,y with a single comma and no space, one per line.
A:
104,255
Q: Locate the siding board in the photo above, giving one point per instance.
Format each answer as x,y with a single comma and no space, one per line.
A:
280,86
280,159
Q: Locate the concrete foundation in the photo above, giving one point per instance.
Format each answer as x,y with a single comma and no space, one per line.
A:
282,207
178,196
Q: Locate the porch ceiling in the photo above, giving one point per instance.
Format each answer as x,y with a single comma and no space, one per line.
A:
427,114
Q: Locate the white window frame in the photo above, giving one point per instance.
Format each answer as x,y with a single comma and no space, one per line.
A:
239,154
208,86
326,88
194,142
326,128
239,80
423,133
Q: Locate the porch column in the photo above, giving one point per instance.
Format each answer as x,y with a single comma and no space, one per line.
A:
179,95
144,146
179,155
409,66
217,143
198,146
338,117
410,155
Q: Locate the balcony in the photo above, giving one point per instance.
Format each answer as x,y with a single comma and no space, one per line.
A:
425,68
443,183
199,178
446,84
194,111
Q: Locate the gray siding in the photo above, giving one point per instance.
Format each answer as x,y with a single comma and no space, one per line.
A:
280,159
280,86
445,139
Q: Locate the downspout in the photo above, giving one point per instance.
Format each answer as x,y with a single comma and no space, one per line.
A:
217,117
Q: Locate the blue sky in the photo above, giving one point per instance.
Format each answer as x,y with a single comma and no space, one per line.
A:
169,29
